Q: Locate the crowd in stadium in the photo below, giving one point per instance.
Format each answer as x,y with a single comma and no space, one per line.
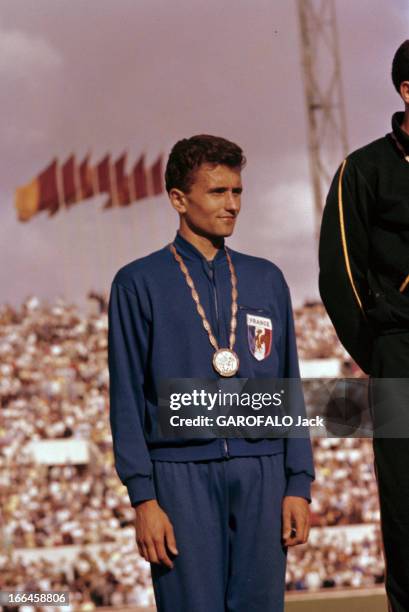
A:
339,461
54,384
316,338
110,578
333,561
120,577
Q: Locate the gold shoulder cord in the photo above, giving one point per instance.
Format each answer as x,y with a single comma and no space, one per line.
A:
343,236
404,284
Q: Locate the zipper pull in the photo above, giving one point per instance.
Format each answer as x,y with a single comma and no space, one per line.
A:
226,448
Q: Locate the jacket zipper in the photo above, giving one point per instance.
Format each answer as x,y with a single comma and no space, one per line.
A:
211,271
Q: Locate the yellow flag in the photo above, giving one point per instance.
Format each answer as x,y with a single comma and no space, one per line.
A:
26,200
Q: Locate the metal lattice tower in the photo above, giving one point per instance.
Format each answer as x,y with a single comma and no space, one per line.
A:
327,133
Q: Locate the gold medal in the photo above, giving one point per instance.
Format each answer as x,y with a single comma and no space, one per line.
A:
225,360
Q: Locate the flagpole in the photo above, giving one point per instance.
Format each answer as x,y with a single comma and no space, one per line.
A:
88,241
116,212
79,196
62,205
101,263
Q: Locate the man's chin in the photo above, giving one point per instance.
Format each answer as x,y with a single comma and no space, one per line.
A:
217,232
225,232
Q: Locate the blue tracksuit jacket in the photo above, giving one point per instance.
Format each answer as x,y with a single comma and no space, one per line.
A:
155,332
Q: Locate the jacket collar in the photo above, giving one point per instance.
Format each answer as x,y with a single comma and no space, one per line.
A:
187,250
401,136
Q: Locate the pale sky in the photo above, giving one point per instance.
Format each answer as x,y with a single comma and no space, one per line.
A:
109,75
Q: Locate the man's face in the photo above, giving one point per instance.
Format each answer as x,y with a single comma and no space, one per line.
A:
214,200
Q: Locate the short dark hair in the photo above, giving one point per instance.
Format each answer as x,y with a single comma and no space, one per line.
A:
189,153
400,65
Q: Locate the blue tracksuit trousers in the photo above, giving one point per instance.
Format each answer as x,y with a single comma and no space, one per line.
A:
226,514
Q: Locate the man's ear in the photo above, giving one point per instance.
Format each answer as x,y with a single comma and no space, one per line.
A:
178,200
404,91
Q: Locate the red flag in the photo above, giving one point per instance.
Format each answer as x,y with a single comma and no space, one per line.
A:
120,191
122,180
119,167
70,177
156,173
49,191
86,178
138,182
103,172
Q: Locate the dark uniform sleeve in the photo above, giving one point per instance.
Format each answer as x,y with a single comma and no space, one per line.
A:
127,353
298,460
343,260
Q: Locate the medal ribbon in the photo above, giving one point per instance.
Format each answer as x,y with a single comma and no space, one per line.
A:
195,296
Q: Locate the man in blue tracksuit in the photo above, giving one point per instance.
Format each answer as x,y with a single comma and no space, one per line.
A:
214,517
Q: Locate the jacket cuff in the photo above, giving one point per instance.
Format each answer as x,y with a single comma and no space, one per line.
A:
140,488
299,485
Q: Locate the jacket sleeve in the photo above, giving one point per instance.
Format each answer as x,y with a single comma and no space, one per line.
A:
343,260
128,340
298,460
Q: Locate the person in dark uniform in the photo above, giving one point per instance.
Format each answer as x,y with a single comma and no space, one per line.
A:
214,517
364,284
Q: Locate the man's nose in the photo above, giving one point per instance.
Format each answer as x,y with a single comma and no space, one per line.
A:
232,202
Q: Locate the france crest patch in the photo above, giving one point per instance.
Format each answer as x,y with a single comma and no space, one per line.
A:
259,335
